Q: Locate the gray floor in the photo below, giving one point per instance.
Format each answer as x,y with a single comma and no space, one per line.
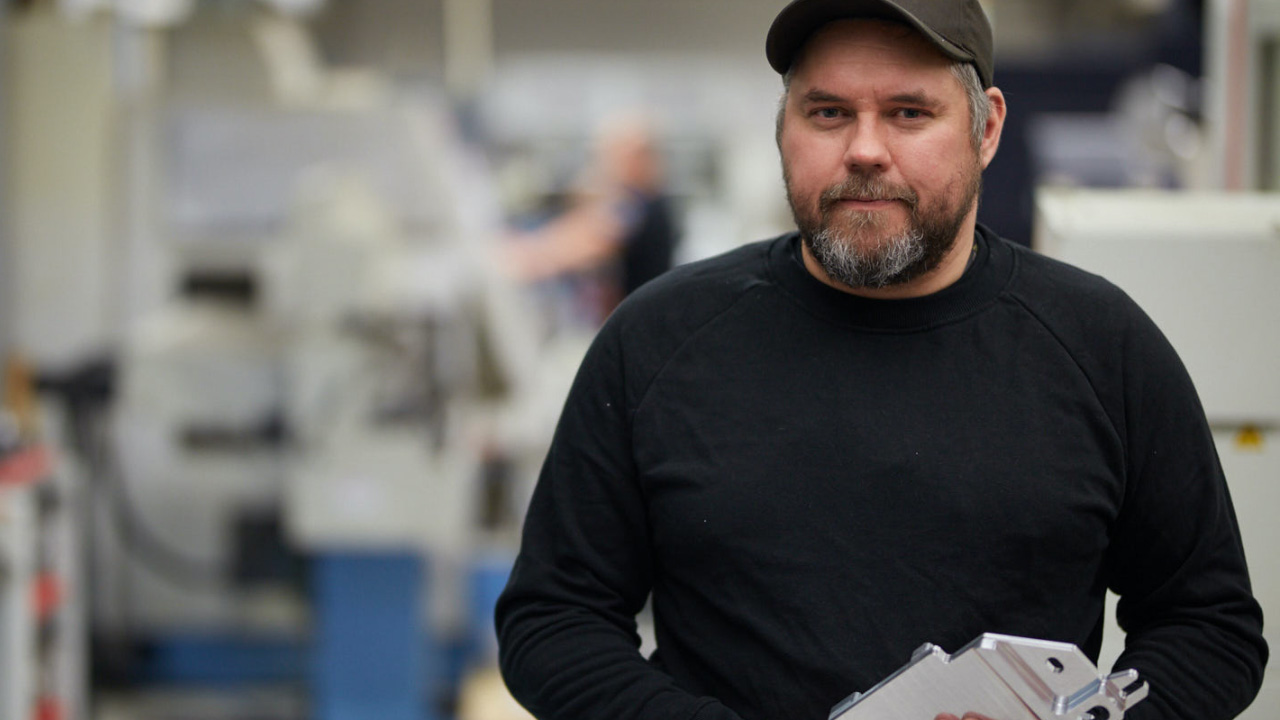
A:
282,704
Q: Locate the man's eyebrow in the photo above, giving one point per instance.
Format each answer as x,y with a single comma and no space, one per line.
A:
918,97
822,96
914,97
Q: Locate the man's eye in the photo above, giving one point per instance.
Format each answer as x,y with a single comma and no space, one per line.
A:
911,113
828,113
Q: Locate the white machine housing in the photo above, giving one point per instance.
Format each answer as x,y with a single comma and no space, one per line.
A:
1205,267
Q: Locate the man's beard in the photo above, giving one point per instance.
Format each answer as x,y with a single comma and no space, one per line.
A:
853,247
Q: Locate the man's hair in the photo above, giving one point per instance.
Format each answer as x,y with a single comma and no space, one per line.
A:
966,73
979,102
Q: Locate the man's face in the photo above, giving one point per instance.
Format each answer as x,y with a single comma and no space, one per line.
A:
877,152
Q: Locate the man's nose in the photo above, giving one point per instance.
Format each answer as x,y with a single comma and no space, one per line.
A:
866,149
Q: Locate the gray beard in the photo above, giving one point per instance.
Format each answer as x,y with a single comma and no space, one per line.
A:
891,260
896,260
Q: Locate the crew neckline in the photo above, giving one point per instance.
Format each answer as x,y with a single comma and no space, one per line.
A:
982,282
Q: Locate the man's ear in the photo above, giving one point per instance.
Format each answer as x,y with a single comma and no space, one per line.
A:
995,126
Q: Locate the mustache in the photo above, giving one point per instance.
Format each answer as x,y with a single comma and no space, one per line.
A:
866,187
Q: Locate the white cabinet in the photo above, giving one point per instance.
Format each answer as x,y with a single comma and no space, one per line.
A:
1204,267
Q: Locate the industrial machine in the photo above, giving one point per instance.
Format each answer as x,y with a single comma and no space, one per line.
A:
1243,89
1203,266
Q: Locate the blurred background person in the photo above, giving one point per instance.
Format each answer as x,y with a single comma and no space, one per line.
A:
618,231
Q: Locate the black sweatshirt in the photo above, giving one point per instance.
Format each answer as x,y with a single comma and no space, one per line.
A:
812,484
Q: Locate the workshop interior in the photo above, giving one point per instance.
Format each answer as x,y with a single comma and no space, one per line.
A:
292,291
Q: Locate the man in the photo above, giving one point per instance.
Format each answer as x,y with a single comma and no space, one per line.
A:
618,233
821,451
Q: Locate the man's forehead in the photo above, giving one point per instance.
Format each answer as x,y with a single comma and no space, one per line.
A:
870,37
910,95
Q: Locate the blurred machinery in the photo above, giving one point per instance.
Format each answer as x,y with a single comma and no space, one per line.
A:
42,614
1166,125
324,403
1243,101
362,392
347,374
323,425
395,359
1202,262
1203,265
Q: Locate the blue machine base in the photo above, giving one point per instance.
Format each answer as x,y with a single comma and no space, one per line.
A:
368,659
369,656
221,661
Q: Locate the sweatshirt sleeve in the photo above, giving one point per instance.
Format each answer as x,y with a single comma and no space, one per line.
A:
1194,630
568,645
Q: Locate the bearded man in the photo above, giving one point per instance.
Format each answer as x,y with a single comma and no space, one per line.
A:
818,452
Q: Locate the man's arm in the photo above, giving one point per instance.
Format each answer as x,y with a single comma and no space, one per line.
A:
566,621
1194,630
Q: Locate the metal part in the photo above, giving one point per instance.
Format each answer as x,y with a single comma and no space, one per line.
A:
1000,677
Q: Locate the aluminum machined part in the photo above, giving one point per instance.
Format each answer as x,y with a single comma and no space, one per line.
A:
1000,677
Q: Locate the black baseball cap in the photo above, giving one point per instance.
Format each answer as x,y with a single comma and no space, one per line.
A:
958,28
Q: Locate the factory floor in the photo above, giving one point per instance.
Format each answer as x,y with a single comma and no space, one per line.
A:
258,704
482,697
